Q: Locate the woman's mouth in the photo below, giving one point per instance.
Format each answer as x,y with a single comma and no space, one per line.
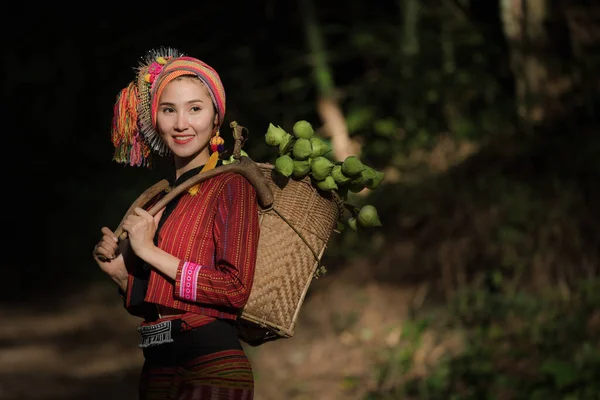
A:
183,139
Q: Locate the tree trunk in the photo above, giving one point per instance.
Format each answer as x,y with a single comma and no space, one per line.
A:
334,123
540,57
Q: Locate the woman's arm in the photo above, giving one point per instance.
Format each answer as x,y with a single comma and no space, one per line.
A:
236,230
105,254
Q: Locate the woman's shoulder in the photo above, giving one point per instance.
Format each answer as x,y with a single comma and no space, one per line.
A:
232,178
229,178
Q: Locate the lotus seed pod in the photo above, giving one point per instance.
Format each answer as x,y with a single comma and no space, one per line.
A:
286,144
301,168
338,175
284,165
327,184
377,180
352,166
302,149
367,217
352,223
319,146
303,129
355,186
369,174
274,135
360,180
365,178
320,168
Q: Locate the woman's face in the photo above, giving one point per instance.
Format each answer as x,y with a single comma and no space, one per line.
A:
186,119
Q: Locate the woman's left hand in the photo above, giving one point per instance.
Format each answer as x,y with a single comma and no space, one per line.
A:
140,227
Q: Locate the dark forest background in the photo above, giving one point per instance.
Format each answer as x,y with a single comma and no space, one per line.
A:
482,113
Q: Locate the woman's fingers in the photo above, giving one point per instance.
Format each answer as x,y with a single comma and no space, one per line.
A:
103,253
107,247
109,233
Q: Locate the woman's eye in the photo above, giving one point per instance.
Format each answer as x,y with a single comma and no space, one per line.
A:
196,108
167,110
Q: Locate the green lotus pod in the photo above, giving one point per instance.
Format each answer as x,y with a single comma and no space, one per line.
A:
338,175
286,144
367,216
352,166
352,223
355,186
284,165
303,129
319,146
320,168
231,160
365,178
369,173
302,149
301,168
327,184
374,184
360,180
274,135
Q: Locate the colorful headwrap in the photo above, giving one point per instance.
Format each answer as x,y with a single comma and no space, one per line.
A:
134,132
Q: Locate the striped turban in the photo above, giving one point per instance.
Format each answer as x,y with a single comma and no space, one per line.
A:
177,67
134,130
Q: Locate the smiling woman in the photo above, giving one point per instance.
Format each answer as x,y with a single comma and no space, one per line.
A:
198,254
186,119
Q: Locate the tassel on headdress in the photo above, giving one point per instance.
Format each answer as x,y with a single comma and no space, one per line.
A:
130,147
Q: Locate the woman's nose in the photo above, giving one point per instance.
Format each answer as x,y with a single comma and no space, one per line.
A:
181,124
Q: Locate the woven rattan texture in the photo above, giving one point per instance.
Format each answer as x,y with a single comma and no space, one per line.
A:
285,264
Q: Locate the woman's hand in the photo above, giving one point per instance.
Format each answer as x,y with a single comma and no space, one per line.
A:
106,254
141,227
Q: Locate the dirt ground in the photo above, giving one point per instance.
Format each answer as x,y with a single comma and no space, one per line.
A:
91,352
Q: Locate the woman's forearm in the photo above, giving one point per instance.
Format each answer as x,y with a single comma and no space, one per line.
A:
121,282
161,260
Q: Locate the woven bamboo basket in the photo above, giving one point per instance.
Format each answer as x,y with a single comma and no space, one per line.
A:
294,233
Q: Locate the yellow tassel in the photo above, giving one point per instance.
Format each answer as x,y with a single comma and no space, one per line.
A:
212,162
161,60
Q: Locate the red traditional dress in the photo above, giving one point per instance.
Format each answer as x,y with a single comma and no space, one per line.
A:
196,353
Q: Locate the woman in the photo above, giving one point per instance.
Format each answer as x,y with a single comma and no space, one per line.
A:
199,252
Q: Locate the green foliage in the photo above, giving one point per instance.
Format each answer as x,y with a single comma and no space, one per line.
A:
520,346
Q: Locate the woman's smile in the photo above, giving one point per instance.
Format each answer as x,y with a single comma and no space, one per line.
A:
183,139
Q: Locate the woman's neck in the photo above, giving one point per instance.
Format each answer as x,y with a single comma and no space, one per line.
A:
182,164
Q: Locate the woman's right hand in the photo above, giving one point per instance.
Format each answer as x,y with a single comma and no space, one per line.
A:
106,254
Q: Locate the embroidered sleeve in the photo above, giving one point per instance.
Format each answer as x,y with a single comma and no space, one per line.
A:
236,230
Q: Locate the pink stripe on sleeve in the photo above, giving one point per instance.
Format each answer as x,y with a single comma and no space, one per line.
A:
189,281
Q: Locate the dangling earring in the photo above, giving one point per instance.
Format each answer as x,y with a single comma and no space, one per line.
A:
217,144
